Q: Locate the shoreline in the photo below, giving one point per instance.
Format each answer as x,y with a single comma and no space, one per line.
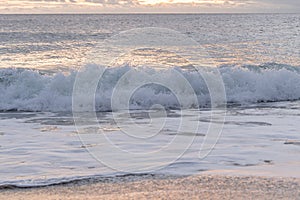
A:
166,187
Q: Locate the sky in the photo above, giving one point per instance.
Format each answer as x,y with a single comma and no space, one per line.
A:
149,6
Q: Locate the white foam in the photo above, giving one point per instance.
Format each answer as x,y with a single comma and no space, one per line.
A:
32,91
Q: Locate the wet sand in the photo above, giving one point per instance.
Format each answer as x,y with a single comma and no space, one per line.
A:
165,187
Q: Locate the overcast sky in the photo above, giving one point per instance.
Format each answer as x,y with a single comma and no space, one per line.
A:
138,6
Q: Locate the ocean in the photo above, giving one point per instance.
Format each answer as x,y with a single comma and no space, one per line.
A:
92,96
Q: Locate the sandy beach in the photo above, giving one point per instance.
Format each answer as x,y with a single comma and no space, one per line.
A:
165,187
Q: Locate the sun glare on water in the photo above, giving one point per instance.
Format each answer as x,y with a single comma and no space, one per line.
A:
153,2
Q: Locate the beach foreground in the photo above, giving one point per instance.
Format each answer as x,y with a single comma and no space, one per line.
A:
165,187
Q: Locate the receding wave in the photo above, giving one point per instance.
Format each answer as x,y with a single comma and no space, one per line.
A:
29,90
26,184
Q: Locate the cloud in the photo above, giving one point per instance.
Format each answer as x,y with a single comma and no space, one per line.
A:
29,6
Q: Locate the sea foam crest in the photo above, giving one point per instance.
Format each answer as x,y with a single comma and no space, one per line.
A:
29,90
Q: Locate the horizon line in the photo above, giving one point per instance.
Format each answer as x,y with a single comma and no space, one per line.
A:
149,13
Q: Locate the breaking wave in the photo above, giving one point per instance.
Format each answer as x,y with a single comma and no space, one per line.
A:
30,90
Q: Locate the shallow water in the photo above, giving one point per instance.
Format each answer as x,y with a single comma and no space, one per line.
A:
44,148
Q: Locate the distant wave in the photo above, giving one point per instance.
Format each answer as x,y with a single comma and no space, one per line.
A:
29,90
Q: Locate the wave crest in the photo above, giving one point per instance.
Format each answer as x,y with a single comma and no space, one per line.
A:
29,90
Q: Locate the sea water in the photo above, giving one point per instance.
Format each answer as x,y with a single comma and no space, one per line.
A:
256,56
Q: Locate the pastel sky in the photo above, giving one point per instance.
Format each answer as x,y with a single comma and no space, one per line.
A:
150,6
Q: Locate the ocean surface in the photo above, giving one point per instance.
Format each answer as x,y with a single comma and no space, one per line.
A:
256,57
